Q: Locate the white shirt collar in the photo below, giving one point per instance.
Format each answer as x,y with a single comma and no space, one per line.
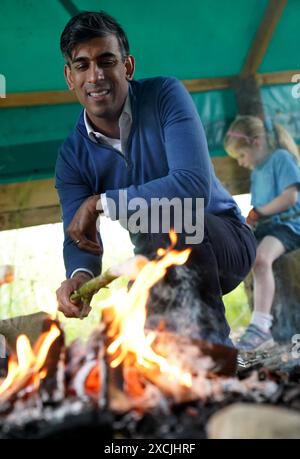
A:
125,122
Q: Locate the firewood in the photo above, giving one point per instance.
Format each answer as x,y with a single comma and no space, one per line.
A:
277,357
28,379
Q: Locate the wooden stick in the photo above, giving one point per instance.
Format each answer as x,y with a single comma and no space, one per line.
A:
87,290
129,268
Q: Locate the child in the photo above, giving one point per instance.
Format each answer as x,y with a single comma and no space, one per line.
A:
272,155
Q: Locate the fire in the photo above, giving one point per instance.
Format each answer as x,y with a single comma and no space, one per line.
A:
127,328
28,363
128,343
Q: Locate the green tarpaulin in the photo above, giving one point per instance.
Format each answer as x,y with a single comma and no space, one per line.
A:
189,40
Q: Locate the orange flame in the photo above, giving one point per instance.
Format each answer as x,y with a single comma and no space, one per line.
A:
129,319
27,362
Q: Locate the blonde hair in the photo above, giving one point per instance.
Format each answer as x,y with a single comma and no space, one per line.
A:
244,130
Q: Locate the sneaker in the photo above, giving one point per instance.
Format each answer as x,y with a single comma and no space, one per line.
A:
254,338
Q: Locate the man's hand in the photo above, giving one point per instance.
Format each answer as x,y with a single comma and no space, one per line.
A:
63,293
83,228
252,217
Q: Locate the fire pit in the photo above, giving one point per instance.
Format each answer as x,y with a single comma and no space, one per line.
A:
127,380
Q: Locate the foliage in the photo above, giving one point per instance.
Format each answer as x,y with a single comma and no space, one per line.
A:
237,308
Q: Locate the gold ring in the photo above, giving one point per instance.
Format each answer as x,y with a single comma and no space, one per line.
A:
77,242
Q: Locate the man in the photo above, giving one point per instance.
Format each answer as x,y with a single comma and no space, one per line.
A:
139,140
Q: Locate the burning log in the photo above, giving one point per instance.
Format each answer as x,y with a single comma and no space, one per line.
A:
89,371
190,365
52,387
220,360
29,366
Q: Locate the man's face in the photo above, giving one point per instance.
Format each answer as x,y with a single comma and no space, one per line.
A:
99,76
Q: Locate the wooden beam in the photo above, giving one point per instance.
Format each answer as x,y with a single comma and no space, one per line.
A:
69,6
262,38
36,202
265,79
28,204
29,217
208,84
28,195
30,99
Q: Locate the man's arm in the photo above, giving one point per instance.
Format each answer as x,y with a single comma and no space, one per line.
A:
83,227
72,193
81,265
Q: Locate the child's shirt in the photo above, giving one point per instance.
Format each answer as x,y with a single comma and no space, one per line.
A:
268,180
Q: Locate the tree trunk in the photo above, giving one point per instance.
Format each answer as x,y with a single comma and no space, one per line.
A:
286,304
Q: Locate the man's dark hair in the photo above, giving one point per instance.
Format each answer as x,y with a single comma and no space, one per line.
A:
88,25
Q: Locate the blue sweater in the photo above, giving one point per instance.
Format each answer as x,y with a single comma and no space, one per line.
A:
166,156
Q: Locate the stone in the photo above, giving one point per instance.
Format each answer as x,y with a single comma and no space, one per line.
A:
30,325
252,421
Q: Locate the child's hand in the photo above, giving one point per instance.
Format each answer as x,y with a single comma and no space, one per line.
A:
252,217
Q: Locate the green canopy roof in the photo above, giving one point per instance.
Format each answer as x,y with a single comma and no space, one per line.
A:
190,40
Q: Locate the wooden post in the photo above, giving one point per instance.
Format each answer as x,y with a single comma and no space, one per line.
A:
248,97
